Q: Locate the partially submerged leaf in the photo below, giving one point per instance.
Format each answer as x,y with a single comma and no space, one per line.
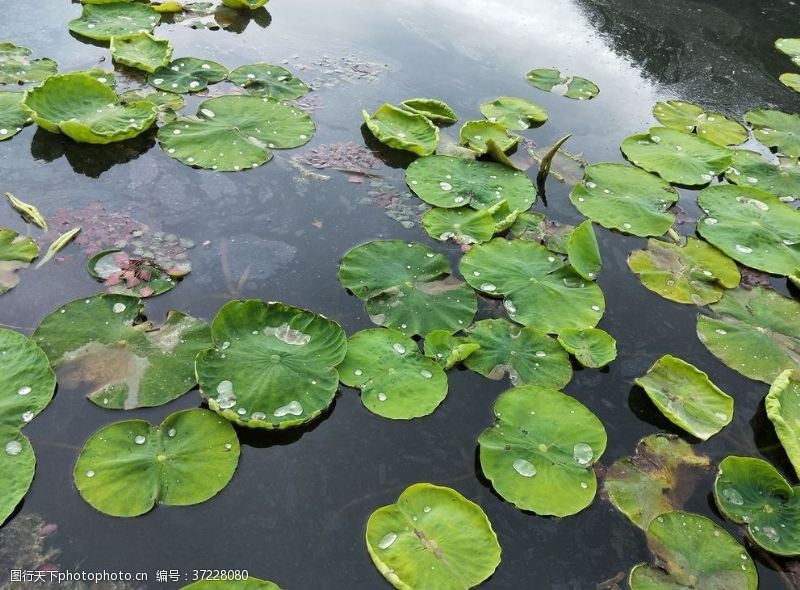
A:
551,80
432,109
28,212
265,79
476,134
688,117
103,21
446,349
592,347
776,129
513,112
535,227
16,252
12,116
783,409
583,251
751,169
17,67
130,275
141,51
187,74
402,130
57,245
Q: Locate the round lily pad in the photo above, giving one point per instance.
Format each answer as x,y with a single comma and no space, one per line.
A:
430,108
130,275
141,51
551,80
12,116
126,468
751,226
433,537
695,273
776,129
395,379
790,47
17,67
540,452
446,349
526,355
268,80
231,133
248,584
693,552
477,134
685,116
592,347
677,157
16,252
187,74
407,287
513,112
783,409
104,346
103,21
463,225
790,80
445,181
626,199
583,251
538,288
751,169
272,365
402,130
750,491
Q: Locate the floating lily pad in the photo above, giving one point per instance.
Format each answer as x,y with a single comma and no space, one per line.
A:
250,583
790,47
445,181
433,537
16,252
167,103
686,397
526,355
465,225
17,468
395,379
551,80
783,409
231,133
104,347
535,227
130,275
592,347
751,169
695,273
244,4
540,452
104,77
625,198
270,80
103,21
583,251
407,287
677,157
126,468
272,365
688,117
659,478
12,116
446,349
477,134
751,226
538,288
86,110
402,130
750,491
432,109
790,81
141,51
513,112
17,67
187,74
776,129
693,552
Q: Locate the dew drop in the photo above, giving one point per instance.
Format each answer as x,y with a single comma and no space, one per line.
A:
771,534
743,249
445,186
25,390
13,447
139,439
524,468
488,287
582,453
294,408
27,416
733,496
387,540
90,473
541,353
399,348
358,372
382,397
426,373
172,432
118,308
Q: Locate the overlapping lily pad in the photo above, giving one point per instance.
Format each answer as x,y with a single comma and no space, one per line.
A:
677,157
583,251
433,537
626,199
167,103
141,51
12,116
187,74
432,109
751,169
592,347
407,287
478,134
538,288
535,227
687,397
402,130
130,275
395,379
272,365
783,409
17,67
446,349
232,133
16,252
776,129
513,112
104,347
126,468
551,80
465,225
540,452
685,116
103,21
268,80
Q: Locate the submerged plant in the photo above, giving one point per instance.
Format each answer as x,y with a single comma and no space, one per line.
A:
551,80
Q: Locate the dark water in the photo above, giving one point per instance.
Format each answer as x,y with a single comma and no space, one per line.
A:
295,511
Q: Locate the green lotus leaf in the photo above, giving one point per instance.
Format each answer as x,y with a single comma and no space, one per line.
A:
16,252
12,116
583,251
465,225
104,77
17,67
535,227
540,452
103,346
242,4
432,537
695,273
248,584
751,226
272,365
477,134
445,181
141,51
231,133
693,552
687,397
790,47
126,468
395,379
688,117
407,287
86,110
430,108
790,80
776,129
750,491
270,80
103,21
402,130
677,157
187,74
526,355
446,349
751,169
167,103
17,468
754,331
147,278
551,80
513,112
592,347
783,409
626,199
659,478
538,288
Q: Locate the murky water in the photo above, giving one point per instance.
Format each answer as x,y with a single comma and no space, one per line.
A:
295,511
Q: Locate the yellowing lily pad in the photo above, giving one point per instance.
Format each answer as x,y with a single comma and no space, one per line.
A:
783,409
790,80
402,130
790,47
551,80
16,252
688,117
513,112
250,583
